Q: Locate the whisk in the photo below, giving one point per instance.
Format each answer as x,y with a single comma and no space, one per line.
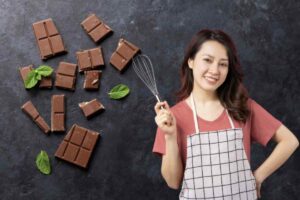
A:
142,66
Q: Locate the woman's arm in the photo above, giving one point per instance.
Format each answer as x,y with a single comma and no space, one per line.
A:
287,143
171,167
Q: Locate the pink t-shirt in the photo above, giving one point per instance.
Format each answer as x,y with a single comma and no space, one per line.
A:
259,127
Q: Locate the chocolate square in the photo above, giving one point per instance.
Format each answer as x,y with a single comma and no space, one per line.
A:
58,113
90,108
90,59
92,80
45,82
77,146
95,28
48,39
66,76
123,54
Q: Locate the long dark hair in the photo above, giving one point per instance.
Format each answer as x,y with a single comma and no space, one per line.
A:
232,93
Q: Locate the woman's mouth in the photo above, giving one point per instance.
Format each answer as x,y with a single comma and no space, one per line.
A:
211,80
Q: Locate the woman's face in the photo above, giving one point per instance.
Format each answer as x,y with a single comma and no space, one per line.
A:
210,66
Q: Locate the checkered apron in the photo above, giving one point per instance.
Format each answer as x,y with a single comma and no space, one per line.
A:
217,166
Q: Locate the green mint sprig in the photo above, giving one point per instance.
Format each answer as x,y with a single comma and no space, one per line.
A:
119,91
43,163
36,75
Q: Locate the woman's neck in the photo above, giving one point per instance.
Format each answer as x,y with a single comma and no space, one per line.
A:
204,97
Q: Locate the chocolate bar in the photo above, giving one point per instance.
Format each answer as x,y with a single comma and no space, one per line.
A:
45,82
90,108
66,75
90,59
95,28
49,40
32,112
77,146
58,113
123,54
92,80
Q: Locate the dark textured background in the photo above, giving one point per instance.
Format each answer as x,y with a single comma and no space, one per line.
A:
267,37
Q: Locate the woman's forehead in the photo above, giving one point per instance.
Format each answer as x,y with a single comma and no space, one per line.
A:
213,49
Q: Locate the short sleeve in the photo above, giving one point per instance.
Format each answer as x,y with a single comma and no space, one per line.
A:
263,124
159,146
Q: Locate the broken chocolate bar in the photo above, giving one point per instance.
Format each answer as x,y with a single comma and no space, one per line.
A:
90,108
66,75
123,54
90,59
45,82
32,112
92,80
77,146
95,28
49,40
58,113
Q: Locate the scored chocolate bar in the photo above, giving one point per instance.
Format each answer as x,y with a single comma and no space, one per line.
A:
49,40
77,146
58,113
32,112
66,75
90,108
95,28
45,82
90,59
92,79
123,54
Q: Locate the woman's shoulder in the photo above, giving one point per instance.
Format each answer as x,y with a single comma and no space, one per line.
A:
178,107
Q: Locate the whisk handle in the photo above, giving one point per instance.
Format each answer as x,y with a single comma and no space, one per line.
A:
158,99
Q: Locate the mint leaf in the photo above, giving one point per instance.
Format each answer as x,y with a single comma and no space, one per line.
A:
44,70
119,91
43,163
31,80
38,76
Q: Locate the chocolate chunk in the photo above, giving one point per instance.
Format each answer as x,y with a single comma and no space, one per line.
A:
90,59
77,146
123,54
66,75
32,112
58,113
95,28
90,108
92,80
48,38
45,82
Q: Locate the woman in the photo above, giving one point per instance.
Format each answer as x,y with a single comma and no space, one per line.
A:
205,138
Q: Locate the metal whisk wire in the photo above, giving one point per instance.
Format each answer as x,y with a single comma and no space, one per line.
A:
143,67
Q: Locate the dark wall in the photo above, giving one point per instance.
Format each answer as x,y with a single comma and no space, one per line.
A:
266,34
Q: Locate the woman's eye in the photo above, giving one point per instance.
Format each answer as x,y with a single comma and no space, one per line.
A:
207,60
224,65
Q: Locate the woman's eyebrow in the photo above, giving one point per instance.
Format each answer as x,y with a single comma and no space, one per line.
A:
225,59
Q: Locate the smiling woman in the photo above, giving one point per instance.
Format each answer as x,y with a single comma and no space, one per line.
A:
205,139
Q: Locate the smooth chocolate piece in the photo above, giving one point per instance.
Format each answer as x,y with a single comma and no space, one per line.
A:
95,28
66,75
90,59
91,108
58,113
77,146
48,38
92,80
123,54
45,82
32,112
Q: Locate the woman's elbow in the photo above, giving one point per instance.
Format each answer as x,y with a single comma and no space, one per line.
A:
173,182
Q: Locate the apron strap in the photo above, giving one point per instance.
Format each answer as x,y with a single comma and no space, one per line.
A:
195,115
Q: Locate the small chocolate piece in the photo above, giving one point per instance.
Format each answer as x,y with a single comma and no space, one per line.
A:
123,54
48,38
58,113
66,75
91,108
45,82
77,146
90,59
92,80
95,28
32,112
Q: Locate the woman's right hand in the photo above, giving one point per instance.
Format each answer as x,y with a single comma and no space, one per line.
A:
165,119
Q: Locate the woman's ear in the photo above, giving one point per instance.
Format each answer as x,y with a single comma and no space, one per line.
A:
190,63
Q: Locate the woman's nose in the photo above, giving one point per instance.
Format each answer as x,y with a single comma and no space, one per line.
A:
214,68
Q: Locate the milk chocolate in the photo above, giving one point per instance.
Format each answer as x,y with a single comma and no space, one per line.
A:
90,59
77,146
58,113
91,108
45,82
32,112
66,75
92,80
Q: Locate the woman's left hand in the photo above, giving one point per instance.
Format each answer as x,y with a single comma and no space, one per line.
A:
259,181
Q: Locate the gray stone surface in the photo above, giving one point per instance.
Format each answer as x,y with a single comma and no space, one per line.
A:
266,34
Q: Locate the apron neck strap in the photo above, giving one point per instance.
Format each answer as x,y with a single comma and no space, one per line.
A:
195,115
